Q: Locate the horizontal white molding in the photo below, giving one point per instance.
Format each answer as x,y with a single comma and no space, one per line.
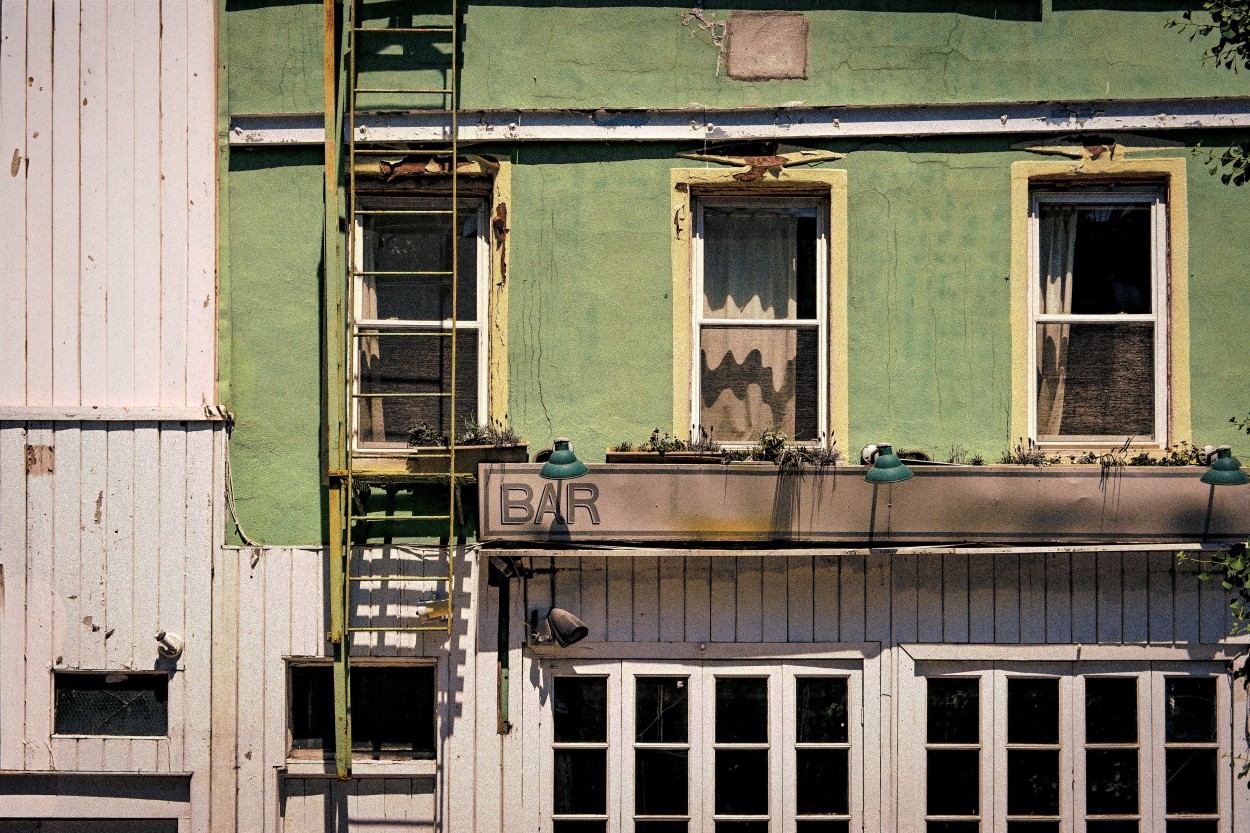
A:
938,652
87,413
709,650
785,123
660,550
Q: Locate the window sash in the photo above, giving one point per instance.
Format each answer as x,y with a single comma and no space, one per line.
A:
819,323
1155,199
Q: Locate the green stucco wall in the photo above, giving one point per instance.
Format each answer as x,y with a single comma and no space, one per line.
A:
544,54
590,326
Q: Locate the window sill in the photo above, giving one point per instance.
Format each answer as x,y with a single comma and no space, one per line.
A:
397,769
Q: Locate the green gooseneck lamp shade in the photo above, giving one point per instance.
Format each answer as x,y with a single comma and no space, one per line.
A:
563,463
887,468
1226,470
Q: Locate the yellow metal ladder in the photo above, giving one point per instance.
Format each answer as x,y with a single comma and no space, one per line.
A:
351,480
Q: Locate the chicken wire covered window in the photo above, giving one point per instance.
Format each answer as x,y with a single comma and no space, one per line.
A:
403,313
111,703
760,295
1098,309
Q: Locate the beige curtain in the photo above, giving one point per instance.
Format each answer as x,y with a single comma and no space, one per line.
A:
372,423
1057,246
748,381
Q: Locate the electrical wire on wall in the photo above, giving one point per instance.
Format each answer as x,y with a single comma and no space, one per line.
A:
230,506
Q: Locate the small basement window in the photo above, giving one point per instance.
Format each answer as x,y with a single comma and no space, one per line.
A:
392,712
111,703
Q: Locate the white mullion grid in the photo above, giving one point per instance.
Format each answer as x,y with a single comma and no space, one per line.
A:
791,746
820,323
986,727
1146,728
773,746
609,672
1154,198
1162,672
1061,674
629,733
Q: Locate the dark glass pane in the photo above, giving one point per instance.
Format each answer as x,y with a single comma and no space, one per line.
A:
953,827
660,826
660,709
823,825
756,378
1095,380
1111,785
742,782
580,710
1110,709
392,711
953,782
954,713
1021,826
135,705
1192,785
419,243
759,263
822,781
661,782
741,827
1107,251
820,709
1190,709
741,710
1111,826
1032,711
1193,825
580,781
1033,782
312,707
558,826
414,364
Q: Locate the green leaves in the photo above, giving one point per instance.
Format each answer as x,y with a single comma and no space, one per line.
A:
1230,21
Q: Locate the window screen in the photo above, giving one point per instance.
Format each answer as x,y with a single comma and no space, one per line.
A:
392,711
131,705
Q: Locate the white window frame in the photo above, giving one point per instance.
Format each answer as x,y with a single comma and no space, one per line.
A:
1151,720
478,324
782,679
820,324
1156,198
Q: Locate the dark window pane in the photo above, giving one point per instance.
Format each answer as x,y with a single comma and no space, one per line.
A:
1110,709
1111,785
759,263
822,781
580,710
661,782
414,364
1032,711
559,826
756,378
953,782
1190,709
820,709
742,782
953,827
954,713
660,826
741,710
1033,782
1192,785
392,710
1021,826
823,826
1107,251
741,827
580,781
134,705
1193,825
1111,825
419,243
1096,380
660,709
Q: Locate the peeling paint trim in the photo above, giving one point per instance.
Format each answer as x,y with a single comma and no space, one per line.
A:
790,123
86,413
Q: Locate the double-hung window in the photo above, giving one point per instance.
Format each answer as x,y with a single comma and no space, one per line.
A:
1098,305
760,317
1072,747
403,314
662,747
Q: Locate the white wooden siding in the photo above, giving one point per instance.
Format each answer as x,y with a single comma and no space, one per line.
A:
729,603
114,544
108,135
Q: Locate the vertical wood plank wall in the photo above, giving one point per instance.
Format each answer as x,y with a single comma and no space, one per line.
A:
1059,598
108,137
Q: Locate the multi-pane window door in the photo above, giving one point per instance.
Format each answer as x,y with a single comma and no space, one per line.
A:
662,747
1060,747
